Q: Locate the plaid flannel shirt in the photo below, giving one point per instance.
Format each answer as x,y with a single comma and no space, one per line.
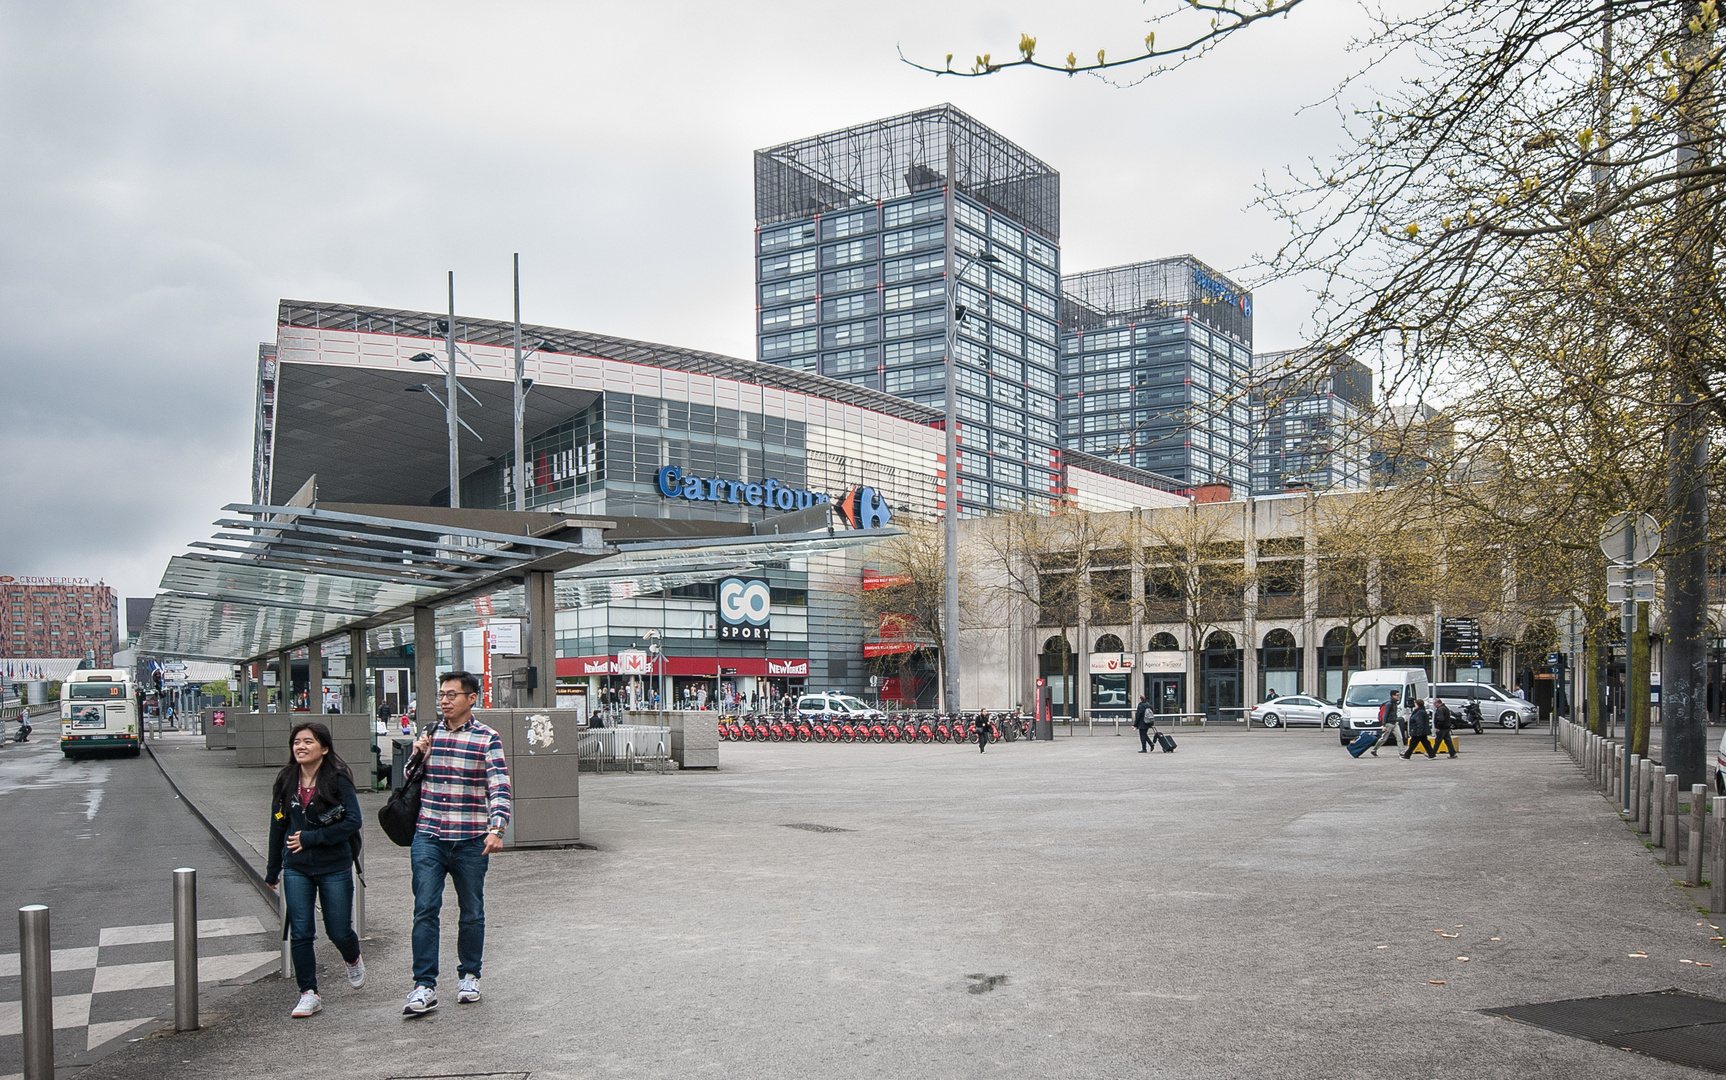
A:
466,786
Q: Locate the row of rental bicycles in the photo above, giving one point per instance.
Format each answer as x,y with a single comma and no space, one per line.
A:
908,728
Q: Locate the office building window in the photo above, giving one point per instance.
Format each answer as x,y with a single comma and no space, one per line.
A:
839,226
848,307
788,237
785,317
781,292
904,213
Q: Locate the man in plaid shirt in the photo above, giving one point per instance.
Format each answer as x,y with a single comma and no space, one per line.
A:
464,809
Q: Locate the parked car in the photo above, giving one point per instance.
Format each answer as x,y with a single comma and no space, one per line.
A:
1294,709
1370,689
837,706
1496,703
1720,768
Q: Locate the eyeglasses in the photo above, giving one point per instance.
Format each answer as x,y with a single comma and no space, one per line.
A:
442,694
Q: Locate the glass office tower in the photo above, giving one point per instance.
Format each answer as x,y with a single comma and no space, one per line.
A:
1309,429
1155,362
852,256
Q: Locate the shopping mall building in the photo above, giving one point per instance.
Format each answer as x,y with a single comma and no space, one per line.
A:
665,442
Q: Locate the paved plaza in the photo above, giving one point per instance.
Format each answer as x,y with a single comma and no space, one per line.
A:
1256,904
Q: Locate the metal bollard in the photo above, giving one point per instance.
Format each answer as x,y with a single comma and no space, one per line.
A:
1698,834
1635,775
1669,831
185,949
1717,865
35,964
287,946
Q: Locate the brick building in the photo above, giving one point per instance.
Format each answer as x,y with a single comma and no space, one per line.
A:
53,617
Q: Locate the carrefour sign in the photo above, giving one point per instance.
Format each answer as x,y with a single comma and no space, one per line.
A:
1222,290
673,484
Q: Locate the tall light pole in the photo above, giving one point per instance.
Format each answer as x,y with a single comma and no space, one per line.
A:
520,398
450,412
950,514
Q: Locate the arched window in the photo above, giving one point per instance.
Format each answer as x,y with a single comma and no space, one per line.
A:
1404,635
1056,666
1279,664
1340,637
1056,646
1220,639
1109,643
1164,642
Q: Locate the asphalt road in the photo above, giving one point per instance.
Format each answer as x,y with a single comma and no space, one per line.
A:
96,841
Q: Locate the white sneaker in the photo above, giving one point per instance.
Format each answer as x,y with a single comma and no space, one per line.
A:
357,972
422,1000
310,1003
467,991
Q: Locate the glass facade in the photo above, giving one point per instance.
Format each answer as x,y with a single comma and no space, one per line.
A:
857,290
1155,362
1309,433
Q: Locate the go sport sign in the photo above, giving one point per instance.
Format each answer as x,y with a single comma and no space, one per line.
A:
745,609
861,507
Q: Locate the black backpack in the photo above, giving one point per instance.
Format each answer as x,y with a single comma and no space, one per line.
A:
399,818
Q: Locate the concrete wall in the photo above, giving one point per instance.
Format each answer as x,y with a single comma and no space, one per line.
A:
260,740
219,737
544,775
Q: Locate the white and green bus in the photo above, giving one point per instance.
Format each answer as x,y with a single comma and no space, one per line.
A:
99,711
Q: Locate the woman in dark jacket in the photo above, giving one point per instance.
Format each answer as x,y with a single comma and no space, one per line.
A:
1419,731
314,839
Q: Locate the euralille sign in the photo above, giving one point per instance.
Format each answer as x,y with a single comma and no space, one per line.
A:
673,484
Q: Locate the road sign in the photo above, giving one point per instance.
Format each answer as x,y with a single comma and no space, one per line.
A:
1475,664
1642,592
1619,574
1459,637
1635,535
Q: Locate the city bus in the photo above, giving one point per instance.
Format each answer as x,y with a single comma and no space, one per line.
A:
99,711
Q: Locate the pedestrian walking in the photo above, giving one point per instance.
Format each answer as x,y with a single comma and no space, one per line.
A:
314,840
464,809
1419,731
1389,718
982,731
1444,721
1145,723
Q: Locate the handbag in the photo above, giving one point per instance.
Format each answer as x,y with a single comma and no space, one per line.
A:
399,818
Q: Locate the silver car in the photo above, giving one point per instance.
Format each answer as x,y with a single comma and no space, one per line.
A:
1291,709
1495,704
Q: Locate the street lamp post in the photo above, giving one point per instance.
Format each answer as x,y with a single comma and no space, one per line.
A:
451,416
950,514
520,398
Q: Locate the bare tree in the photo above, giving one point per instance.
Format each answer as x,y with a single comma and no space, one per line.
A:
1195,570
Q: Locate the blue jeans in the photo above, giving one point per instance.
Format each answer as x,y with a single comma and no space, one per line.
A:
465,862
336,893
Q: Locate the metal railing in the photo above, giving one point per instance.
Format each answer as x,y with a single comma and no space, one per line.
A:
625,747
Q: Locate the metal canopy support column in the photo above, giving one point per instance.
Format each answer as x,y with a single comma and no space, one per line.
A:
284,681
315,677
542,637
425,665
359,678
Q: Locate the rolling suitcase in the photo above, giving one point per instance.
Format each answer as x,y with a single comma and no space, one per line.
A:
1166,743
1363,742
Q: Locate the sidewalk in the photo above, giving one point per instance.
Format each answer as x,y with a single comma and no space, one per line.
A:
1066,909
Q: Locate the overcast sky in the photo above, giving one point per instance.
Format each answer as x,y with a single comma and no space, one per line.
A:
174,169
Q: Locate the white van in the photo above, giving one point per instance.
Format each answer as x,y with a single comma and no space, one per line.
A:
1369,689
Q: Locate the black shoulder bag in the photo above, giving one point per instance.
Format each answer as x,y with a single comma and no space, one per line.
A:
399,818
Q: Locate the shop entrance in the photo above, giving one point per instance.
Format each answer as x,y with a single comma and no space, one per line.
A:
1166,692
